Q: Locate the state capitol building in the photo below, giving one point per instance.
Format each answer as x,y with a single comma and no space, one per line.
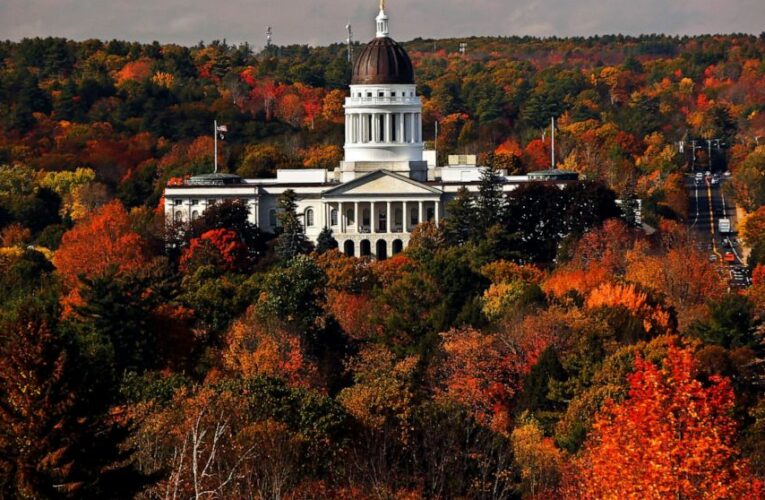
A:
385,186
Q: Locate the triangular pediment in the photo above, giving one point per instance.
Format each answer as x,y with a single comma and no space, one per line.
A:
381,183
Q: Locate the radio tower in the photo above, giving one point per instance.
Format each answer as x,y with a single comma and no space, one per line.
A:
350,42
268,38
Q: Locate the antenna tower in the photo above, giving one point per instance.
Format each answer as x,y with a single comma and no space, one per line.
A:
349,40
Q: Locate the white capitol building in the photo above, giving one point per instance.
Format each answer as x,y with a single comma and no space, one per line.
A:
383,188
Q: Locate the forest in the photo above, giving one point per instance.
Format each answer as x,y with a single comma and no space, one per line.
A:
535,344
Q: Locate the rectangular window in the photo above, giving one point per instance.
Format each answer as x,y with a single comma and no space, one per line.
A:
177,202
195,202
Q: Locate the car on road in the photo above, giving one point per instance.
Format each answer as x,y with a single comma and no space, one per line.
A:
729,257
699,176
726,173
713,258
715,181
708,173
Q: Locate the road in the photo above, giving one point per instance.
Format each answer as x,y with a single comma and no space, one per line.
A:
708,204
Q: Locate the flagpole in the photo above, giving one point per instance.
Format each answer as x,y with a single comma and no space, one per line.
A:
215,135
552,152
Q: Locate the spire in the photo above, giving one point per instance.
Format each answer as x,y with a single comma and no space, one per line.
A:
382,22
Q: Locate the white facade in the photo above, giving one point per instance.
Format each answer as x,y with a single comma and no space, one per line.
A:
379,193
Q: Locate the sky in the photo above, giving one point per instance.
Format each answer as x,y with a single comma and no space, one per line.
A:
320,22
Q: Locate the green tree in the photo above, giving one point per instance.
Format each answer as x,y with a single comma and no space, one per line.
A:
490,203
325,241
731,324
292,240
460,221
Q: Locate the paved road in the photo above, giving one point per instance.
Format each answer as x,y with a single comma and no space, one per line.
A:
708,204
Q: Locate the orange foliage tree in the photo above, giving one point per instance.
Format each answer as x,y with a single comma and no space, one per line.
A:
673,438
481,372
656,319
253,348
683,275
103,240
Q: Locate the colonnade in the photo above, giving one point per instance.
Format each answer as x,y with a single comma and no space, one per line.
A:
380,216
390,128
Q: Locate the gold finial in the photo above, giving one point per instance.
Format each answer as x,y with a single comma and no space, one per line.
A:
382,4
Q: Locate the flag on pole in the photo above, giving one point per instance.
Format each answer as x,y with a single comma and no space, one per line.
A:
222,128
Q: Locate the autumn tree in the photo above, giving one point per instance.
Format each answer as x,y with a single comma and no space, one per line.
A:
672,437
102,241
220,248
53,441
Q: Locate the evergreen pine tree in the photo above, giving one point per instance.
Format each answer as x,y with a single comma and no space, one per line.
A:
490,203
460,223
325,241
292,241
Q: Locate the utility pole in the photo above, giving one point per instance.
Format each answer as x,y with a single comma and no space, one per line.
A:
709,153
435,142
693,148
269,35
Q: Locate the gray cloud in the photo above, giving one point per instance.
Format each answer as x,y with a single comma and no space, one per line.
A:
322,21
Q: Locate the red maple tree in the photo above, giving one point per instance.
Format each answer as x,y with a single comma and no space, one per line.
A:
673,438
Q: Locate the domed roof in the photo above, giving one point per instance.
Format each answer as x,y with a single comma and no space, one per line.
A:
383,61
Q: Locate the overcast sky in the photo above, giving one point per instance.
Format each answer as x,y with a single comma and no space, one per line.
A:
318,22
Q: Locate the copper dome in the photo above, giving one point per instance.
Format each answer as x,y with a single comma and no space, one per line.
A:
383,61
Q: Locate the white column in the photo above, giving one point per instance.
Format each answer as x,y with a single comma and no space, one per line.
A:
419,127
419,218
404,217
387,128
372,218
400,119
356,216
438,206
341,218
411,127
388,217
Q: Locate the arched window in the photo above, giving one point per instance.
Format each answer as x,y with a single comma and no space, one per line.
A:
333,217
194,215
178,216
309,217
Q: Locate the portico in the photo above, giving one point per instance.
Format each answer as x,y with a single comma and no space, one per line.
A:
374,214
